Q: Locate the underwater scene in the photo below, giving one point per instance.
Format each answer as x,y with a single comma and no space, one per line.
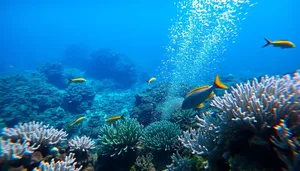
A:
160,85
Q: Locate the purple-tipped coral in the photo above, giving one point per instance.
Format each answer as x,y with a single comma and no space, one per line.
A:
36,132
261,104
68,165
14,151
83,143
288,143
204,139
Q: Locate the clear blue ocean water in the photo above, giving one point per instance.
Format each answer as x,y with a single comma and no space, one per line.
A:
36,31
129,85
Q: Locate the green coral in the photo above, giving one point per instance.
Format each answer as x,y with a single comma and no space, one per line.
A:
179,163
185,163
184,118
117,138
143,163
161,135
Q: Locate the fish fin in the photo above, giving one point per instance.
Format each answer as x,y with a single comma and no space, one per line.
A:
70,80
123,116
201,105
70,126
268,43
211,95
196,89
219,84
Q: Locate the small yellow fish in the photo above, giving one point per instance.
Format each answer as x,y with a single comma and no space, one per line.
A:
197,96
151,80
115,118
76,80
77,121
280,43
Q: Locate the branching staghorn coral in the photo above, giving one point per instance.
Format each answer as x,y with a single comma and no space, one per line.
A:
117,138
35,133
203,140
179,163
15,150
261,104
288,143
83,143
161,135
68,165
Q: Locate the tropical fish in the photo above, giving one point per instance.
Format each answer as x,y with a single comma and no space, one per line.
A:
115,118
196,97
76,80
151,80
77,121
280,43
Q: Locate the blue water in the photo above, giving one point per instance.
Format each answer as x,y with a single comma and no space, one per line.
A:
37,31
272,20
163,40
33,32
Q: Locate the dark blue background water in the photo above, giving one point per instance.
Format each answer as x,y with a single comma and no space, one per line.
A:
33,32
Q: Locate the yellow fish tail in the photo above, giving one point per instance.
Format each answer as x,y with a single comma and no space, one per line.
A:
70,80
219,84
268,42
122,116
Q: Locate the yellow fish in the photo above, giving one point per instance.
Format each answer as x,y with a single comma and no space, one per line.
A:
280,43
77,121
151,80
76,80
197,96
115,118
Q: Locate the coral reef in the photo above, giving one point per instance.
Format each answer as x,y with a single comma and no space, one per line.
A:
26,145
170,106
287,146
261,104
203,140
24,97
149,106
243,125
54,74
93,124
113,66
120,137
179,163
121,100
35,133
68,164
143,163
83,143
79,97
161,135
184,118
81,147
15,150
